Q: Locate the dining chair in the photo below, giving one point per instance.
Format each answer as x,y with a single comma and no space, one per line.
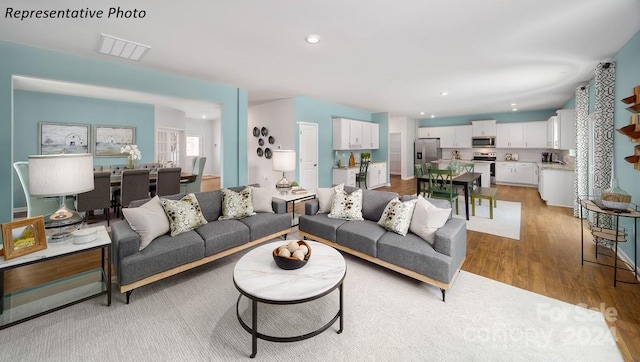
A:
38,205
97,168
441,186
466,168
116,170
134,186
361,176
99,197
167,182
153,167
198,169
419,171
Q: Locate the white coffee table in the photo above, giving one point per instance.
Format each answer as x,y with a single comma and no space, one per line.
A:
257,277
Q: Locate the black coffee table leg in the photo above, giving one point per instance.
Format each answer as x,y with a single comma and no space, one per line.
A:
254,332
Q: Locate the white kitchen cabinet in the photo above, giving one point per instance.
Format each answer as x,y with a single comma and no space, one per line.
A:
376,175
345,176
510,135
553,132
483,128
355,135
341,134
375,136
350,134
431,132
535,135
561,130
536,174
515,172
556,187
456,137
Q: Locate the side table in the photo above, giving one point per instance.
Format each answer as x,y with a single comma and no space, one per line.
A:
23,305
291,197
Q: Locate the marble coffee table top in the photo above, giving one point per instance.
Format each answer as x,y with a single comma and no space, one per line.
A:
257,275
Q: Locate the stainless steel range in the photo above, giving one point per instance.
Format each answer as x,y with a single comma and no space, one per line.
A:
489,157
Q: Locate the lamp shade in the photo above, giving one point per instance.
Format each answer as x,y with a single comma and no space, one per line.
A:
59,175
284,160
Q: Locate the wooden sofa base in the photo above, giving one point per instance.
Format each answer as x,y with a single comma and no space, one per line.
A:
410,273
179,269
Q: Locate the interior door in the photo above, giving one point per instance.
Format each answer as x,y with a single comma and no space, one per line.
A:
308,156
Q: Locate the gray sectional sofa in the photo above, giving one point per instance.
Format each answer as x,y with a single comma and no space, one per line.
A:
169,255
436,264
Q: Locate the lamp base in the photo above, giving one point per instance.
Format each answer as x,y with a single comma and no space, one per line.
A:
283,185
63,221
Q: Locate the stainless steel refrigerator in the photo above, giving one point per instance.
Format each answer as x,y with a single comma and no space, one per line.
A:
426,150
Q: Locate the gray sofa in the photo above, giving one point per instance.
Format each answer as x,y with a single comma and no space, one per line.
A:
410,255
167,255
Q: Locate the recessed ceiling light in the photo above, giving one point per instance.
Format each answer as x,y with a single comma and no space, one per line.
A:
117,47
514,109
433,116
421,113
513,104
444,93
204,116
312,39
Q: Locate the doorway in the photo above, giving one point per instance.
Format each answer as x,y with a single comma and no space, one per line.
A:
308,155
395,153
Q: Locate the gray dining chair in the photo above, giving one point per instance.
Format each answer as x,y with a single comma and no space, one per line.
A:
99,197
167,182
134,186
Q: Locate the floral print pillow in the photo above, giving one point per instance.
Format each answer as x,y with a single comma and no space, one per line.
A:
397,216
184,214
346,206
236,205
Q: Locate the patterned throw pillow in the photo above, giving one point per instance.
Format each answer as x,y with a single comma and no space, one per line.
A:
184,214
236,205
347,206
397,216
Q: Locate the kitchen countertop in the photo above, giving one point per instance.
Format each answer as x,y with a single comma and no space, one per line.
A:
554,166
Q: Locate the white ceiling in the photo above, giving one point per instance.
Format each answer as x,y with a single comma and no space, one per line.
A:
379,55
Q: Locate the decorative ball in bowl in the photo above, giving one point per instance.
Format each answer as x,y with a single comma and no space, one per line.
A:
293,255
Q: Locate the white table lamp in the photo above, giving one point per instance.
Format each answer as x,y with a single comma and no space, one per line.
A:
284,160
61,175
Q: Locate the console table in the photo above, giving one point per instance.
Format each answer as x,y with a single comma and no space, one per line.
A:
614,234
23,305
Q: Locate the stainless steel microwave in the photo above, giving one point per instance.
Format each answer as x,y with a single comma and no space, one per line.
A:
483,142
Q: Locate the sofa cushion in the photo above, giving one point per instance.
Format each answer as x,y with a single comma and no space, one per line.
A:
411,252
148,220
427,219
222,235
236,205
320,225
346,206
210,204
360,235
164,253
325,197
183,214
261,199
263,224
397,216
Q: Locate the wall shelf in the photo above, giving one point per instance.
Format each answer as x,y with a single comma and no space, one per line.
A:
633,129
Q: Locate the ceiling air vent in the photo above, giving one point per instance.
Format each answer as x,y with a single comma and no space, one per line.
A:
117,47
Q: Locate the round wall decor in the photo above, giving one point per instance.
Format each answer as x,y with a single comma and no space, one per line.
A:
264,131
267,153
256,132
271,140
259,152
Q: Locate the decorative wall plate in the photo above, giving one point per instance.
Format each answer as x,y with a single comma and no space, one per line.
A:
256,132
261,142
267,153
260,153
264,131
271,140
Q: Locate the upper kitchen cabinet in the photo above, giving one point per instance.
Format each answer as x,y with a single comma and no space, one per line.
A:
510,135
484,128
350,134
430,132
535,134
455,137
561,130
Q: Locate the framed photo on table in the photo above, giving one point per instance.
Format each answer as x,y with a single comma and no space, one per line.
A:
23,236
55,138
110,139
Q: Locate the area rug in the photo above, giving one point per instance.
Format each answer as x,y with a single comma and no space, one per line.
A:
505,222
387,317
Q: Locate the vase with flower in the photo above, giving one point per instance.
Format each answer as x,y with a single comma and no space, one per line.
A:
133,154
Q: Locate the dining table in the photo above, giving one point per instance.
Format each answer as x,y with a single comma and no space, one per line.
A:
465,179
187,177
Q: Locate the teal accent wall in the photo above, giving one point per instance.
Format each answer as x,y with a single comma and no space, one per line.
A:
525,116
321,112
627,77
31,108
34,62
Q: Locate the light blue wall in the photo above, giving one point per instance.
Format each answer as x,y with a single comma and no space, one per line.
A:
33,62
627,77
527,116
31,108
321,112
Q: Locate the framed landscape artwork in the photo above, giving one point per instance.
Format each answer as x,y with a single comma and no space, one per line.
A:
58,138
23,237
109,140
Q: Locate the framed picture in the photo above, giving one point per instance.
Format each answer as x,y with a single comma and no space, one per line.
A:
109,140
63,138
23,236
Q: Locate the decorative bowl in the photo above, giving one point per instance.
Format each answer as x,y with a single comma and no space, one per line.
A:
291,263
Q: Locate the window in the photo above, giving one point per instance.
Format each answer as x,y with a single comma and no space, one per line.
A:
193,146
168,146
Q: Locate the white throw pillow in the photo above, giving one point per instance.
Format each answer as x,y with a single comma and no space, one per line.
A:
397,216
347,206
148,220
261,199
427,219
325,197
